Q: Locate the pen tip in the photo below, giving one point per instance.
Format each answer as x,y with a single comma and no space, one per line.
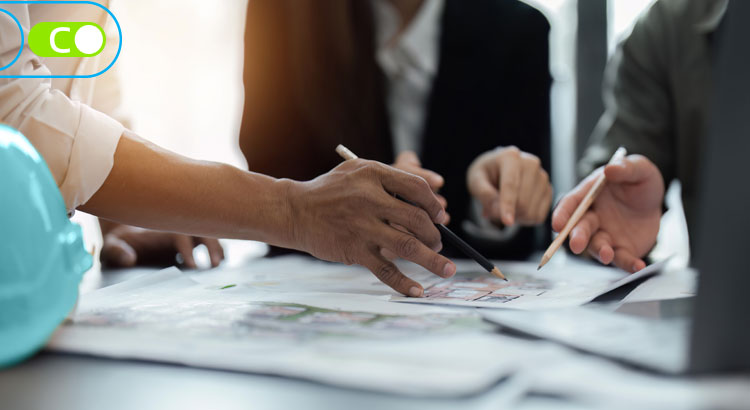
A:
539,267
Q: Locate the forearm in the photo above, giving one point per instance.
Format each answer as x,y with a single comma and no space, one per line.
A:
154,188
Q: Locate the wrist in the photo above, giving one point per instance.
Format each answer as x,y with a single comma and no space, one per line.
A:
289,193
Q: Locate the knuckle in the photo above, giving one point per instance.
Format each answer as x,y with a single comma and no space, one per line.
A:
369,169
387,272
351,250
418,218
436,262
534,161
407,246
379,168
545,176
358,163
513,150
421,184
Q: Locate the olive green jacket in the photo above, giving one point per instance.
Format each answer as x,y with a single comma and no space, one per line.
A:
656,92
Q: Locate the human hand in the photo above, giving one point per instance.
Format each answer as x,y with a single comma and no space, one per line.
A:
525,193
409,162
126,246
346,214
622,223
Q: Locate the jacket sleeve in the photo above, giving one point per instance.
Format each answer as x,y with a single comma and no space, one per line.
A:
638,113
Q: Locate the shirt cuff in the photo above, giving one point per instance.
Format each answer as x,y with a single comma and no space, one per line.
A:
92,156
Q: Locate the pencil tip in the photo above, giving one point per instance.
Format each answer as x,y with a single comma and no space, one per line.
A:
495,271
539,267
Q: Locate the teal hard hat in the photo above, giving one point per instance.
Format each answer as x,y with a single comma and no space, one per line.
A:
42,257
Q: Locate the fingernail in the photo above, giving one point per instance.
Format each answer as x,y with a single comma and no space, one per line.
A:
449,270
634,268
415,292
437,180
441,216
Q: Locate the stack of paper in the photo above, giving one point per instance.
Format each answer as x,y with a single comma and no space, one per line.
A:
303,318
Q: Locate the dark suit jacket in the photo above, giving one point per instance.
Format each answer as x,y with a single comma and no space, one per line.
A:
492,89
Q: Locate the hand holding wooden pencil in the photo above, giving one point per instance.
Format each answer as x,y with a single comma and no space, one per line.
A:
581,210
622,216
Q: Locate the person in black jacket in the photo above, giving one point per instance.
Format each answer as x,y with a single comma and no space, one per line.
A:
454,91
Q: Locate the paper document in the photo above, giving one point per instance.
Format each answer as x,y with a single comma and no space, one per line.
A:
655,344
528,288
672,284
361,341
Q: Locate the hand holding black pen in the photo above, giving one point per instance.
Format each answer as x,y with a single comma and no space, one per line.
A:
446,233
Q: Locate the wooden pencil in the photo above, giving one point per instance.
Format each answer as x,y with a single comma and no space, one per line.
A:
581,210
446,233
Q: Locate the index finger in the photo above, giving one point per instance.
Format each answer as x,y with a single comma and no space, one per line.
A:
510,181
435,180
389,274
571,200
415,190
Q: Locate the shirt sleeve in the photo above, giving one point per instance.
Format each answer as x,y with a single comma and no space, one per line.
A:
77,142
637,99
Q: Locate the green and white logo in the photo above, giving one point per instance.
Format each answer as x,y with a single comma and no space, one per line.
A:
66,39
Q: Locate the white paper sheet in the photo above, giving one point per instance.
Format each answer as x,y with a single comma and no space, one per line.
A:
650,343
527,288
602,384
361,341
672,284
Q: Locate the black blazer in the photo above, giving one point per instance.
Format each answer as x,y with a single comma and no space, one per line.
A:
492,89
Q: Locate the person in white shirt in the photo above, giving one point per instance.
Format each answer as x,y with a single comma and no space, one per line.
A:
462,87
105,169
123,245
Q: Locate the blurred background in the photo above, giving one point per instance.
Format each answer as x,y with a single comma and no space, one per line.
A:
181,71
182,75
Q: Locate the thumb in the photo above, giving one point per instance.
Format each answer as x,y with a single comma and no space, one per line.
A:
117,252
569,203
631,169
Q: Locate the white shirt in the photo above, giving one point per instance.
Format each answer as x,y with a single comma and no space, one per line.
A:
77,141
410,62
